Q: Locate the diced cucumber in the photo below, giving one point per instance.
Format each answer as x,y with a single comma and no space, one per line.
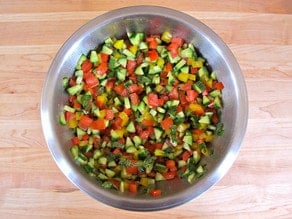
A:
154,70
93,56
137,140
106,50
127,103
121,74
215,93
129,142
217,103
136,38
65,81
188,139
74,151
110,173
206,100
62,119
131,127
199,86
75,89
69,109
80,132
204,119
80,61
180,64
157,133
123,62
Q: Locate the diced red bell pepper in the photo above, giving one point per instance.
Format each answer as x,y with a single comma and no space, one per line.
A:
167,123
98,124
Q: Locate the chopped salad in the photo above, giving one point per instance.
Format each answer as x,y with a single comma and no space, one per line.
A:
142,109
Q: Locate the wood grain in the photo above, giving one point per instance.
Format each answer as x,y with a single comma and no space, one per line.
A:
259,184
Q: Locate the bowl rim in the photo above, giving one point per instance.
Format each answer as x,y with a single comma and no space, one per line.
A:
129,203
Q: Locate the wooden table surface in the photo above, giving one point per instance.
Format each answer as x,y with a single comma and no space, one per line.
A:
259,185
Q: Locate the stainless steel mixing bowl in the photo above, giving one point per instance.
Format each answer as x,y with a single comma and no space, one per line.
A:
151,20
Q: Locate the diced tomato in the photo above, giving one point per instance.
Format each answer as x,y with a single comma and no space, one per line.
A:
109,114
72,81
178,41
104,57
110,84
90,80
153,100
69,115
150,130
219,86
155,192
120,89
98,124
85,122
132,169
133,88
144,134
173,49
191,95
186,155
173,94
134,98
131,66
170,164
140,59
133,187
158,145
117,124
148,122
169,175
194,70
179,108
116,183
128,111
152,43
75,140
85,137
102,68
186,86
215,118
86,66
168,67
117,151
167,123
153,55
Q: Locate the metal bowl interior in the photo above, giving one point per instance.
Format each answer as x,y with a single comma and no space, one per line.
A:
151,20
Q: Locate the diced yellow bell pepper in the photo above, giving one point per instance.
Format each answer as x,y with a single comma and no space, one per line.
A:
120,132
197,108
102,114
159,152
183,76
124,117
119,44
192,77
158,88
166,36
197,64
160,62
209,83
133,49
72,123
78,115
101,98
208,137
